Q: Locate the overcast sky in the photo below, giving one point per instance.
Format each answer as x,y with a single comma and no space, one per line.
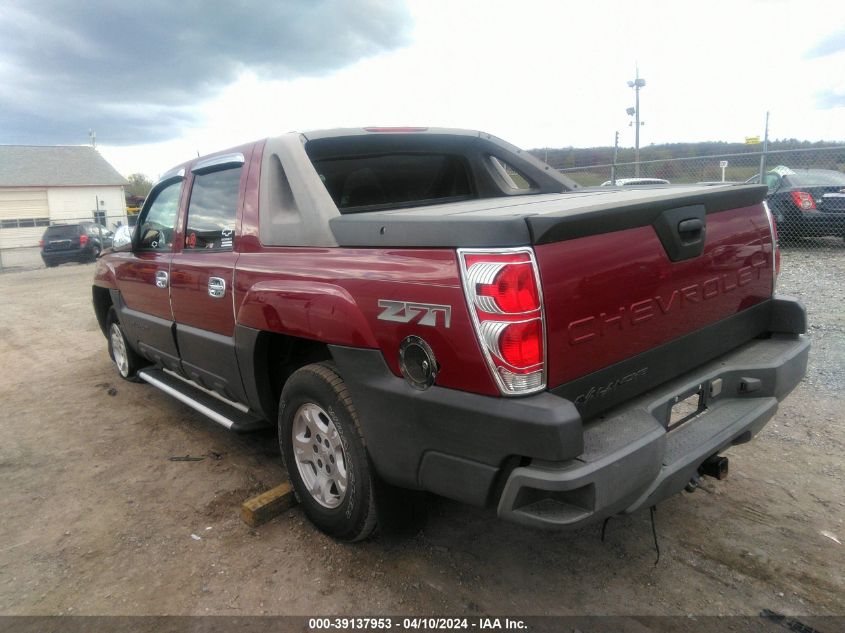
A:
160,80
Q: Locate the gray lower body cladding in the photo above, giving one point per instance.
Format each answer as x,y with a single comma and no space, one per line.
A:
631,461
540,463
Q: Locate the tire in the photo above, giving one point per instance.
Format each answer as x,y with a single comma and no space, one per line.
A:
126,361
324,453
95,253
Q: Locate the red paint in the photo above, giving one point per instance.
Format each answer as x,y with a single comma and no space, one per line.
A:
606,297
135,276
331,295
609,297
192,305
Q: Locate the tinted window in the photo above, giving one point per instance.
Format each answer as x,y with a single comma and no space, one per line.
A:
61,231
393,180
212,210
819,178
159,219
97,229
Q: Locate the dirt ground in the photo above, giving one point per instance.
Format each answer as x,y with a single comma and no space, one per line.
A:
96,518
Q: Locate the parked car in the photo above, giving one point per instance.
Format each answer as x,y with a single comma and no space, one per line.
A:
629,182
806,202
410,314
81,242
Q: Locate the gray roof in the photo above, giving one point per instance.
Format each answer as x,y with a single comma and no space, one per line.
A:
55,166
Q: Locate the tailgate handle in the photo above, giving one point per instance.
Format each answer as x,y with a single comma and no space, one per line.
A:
690,230
682,231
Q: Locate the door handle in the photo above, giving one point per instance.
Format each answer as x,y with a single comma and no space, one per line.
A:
216,287
161,279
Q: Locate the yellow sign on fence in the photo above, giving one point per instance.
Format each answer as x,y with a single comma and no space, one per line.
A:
752,140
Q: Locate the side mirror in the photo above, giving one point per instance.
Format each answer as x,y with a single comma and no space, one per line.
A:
122,238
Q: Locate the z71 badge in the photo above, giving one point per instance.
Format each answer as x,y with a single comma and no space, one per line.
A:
405,312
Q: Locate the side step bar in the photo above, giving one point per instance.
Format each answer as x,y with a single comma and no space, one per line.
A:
195,397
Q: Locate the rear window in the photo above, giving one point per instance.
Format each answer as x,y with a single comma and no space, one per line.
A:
394,180
62,231
816,179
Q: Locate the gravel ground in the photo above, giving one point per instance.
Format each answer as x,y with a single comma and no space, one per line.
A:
98,520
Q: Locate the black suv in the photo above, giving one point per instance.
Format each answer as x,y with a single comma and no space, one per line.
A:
81,242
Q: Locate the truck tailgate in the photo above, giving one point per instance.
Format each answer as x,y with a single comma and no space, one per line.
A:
613,296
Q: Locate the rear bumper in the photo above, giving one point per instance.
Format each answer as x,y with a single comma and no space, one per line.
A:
539,463
61,257
824,223
813,224
630,461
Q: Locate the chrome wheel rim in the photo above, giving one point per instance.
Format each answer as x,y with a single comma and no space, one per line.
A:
118,350
319,455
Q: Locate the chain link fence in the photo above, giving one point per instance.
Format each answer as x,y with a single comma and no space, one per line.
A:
806,186
806,195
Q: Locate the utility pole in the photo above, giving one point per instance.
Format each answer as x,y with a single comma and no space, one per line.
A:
765,149
615,156
93,136
636,84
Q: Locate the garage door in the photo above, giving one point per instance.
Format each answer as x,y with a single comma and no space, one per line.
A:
23,216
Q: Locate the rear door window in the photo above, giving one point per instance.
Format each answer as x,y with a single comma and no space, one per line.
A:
213,209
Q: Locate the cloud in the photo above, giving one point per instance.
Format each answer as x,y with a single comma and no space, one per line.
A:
832,44
832,98
134,71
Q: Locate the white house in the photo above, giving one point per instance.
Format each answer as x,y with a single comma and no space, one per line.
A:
43,185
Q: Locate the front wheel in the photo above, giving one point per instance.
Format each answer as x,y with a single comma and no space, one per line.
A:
126,361
324,453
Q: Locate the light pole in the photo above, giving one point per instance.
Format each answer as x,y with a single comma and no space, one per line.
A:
636,84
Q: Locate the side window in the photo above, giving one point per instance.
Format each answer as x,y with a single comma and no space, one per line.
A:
772,181
213,210
511,176
159,220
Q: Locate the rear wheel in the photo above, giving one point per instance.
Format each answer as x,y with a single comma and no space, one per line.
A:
126,361
324,453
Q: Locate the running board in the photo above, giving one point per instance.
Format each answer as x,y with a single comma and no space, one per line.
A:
196,398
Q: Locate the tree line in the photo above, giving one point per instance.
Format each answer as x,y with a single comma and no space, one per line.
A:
568,157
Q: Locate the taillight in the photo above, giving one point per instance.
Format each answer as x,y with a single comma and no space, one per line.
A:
40,243
773,231
803,200
83,240
503,293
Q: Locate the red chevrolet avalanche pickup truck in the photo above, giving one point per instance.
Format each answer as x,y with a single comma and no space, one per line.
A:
436,310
